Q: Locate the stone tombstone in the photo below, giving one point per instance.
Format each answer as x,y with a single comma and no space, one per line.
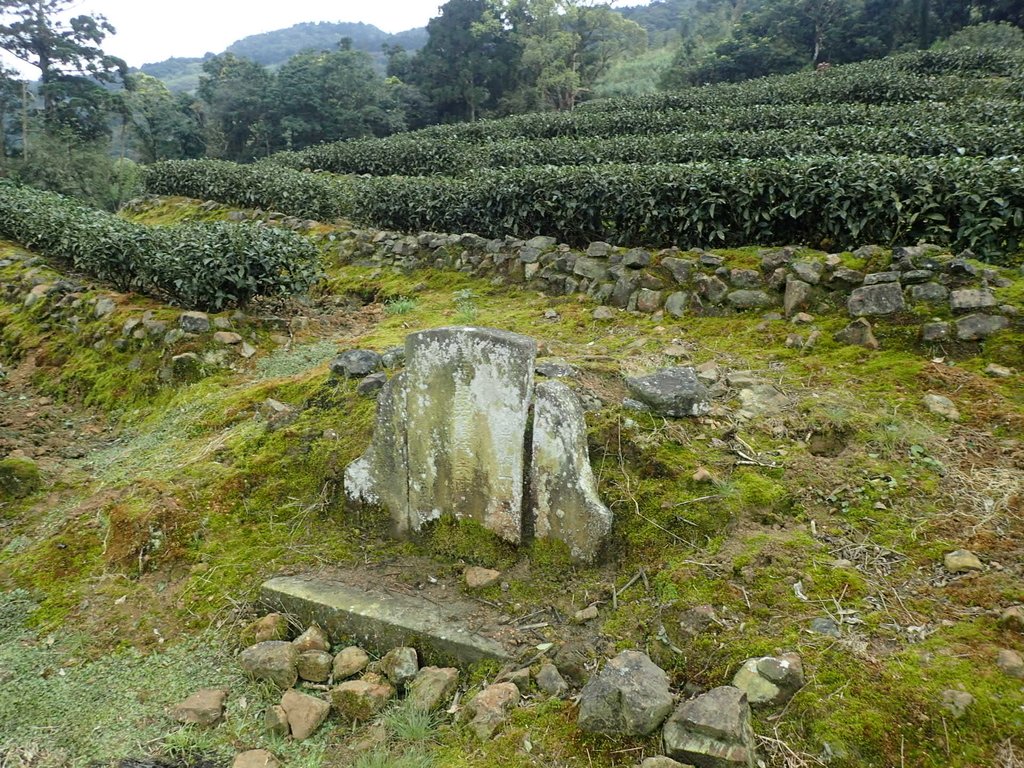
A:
453,435
563,490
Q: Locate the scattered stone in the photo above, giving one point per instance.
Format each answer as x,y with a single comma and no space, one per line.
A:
762,398
555,368
662,762
305,713
19,477
313,639
878,278
808,271
823,626
858,333
712,730
678,304
481,578
275,721
770,680
273,626
935,331
702,475
1011,663
563,490
962,561
957,702
520,678
432,687
204,708
603,313
1012,618
802,318
351,661
974,327
794,341
881,299
194,322
247,350
933,293
629,696
590,268
586,614
104,307
360,700
489,709
315,666
255,758
711,288
227,338
187,367
941,406
672,392
970,299
749,299
356,363
400,665
680,269
648,301
745,278
273,660
997,371
393,358
551,682
372,384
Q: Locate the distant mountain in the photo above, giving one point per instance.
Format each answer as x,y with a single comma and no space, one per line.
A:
272,49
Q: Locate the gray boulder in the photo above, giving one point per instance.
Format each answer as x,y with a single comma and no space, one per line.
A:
712,731
881,299
798,296
970,299
400,665
858,333
194,322
630,696
356,363
808,271
432,687
770,680
673,392
274,660
749,299
680,269
980,326
933,293
877,278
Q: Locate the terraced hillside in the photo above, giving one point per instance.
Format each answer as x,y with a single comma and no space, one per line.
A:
854,494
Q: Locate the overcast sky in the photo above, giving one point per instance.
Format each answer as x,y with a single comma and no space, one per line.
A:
149,31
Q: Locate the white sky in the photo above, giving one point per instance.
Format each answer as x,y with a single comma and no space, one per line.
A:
149,31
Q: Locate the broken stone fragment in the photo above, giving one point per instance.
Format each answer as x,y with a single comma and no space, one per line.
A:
351,661
432,687
551,682
1011,662
194,322
979,326
629,696
274,660
673,392
489,709
305,713
203,708
313,639
858,333
273,626
356,363
880,299
360,700
1012,618
962,561
315,666
400,665
563,490
770,680
481,578
255,758
275,721
941,406
712,730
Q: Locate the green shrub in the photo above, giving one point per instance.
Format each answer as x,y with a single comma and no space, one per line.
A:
204,266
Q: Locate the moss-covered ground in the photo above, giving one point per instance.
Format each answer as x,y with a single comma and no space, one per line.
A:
124,578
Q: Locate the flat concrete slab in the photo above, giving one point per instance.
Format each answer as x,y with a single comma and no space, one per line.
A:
378,621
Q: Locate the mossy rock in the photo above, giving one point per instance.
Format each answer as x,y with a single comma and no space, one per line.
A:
19,478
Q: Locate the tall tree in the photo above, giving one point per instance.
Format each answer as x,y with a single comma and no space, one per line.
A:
470,60
162,125
238,97
63,47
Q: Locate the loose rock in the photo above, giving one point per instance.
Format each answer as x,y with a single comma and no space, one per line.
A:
712,730
274,660
194,322
1012,618
400,665
273,626
962,561
360,700
1011,663
858,333
432,687
630,696
275,721
551,682
672,392
315,666
941,406
351,661
305,713
313,639
770,680
489,709
481,578
255,758
957,702
203,708
356,363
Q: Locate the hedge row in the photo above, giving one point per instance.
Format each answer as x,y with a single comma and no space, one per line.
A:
200,266
826,202
453,158
262,185
423,152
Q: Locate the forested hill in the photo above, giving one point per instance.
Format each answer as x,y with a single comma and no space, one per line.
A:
274,48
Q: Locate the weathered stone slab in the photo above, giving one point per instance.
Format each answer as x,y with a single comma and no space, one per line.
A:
563,490
880,299
712,730
469,394
381,476
381,621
